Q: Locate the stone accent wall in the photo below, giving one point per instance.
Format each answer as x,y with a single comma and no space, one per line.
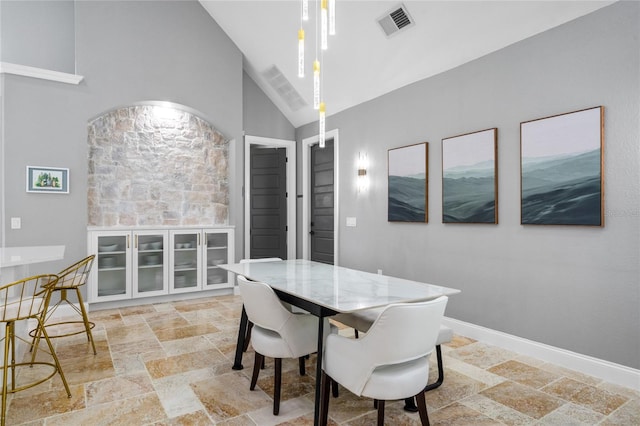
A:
151,165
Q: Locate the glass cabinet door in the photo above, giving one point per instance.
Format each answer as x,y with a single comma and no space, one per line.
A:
150,263
113,265
216,251
185,263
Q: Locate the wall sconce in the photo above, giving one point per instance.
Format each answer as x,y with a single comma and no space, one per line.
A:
362,179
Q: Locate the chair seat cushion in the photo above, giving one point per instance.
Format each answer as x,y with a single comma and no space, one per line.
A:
269,343
71,281
397,381
26,308
445,335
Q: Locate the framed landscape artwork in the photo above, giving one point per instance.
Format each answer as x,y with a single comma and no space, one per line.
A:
47,179
469,178
561,167
408,184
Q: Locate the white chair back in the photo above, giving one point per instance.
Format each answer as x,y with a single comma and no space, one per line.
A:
405,331
263,306
403,334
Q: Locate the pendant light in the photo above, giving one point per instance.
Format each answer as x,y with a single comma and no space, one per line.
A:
321,125
323,24
301,53
316,84
325,18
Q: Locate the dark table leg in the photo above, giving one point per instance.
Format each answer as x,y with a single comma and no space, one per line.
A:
242,332
318,399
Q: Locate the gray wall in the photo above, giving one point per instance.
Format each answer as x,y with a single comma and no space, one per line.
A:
261,116
128,52
38,34
576,288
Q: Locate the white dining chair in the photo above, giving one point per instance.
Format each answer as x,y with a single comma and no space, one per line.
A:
247,337
391,361
361,321
277,332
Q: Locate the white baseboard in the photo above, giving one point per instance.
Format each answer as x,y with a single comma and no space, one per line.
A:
174,297
605,370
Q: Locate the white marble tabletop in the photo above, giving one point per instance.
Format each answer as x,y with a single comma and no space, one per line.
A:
335,287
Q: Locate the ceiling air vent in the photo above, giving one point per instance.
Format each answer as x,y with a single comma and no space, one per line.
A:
283,88
395,20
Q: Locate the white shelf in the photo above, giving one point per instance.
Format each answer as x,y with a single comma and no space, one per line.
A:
41,73
112,268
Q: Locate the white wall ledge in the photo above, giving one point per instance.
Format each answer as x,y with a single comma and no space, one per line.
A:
44,74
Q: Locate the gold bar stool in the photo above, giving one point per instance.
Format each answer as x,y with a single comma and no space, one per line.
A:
23,300
70,279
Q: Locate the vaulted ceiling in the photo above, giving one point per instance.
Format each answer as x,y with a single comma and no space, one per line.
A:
362,62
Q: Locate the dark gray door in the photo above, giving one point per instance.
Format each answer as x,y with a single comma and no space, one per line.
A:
322,202
268,222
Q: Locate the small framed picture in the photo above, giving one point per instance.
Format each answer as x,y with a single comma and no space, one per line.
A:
47,179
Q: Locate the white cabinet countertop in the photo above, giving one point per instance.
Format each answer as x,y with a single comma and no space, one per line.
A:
20,256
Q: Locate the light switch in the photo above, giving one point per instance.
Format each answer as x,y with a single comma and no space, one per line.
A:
351,221
16,223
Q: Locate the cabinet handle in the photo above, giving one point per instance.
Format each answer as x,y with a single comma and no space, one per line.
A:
127,241
198,240
136,242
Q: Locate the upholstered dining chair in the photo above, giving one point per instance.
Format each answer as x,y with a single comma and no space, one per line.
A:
277,332
25,300
70,280
391,361
247,337
361,321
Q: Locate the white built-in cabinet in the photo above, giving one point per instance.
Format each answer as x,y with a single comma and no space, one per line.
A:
135,263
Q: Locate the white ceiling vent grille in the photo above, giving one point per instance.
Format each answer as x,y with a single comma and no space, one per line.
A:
395,20
283,88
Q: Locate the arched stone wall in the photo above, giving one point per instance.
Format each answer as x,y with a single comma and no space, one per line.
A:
156,166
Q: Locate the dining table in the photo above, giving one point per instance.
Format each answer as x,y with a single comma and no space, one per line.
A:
325,290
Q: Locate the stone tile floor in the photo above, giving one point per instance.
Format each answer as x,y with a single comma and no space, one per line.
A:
170,364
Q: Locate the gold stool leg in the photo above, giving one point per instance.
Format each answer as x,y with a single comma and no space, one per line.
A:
36,335
55,357
5,368
35,342
85,318
12,333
